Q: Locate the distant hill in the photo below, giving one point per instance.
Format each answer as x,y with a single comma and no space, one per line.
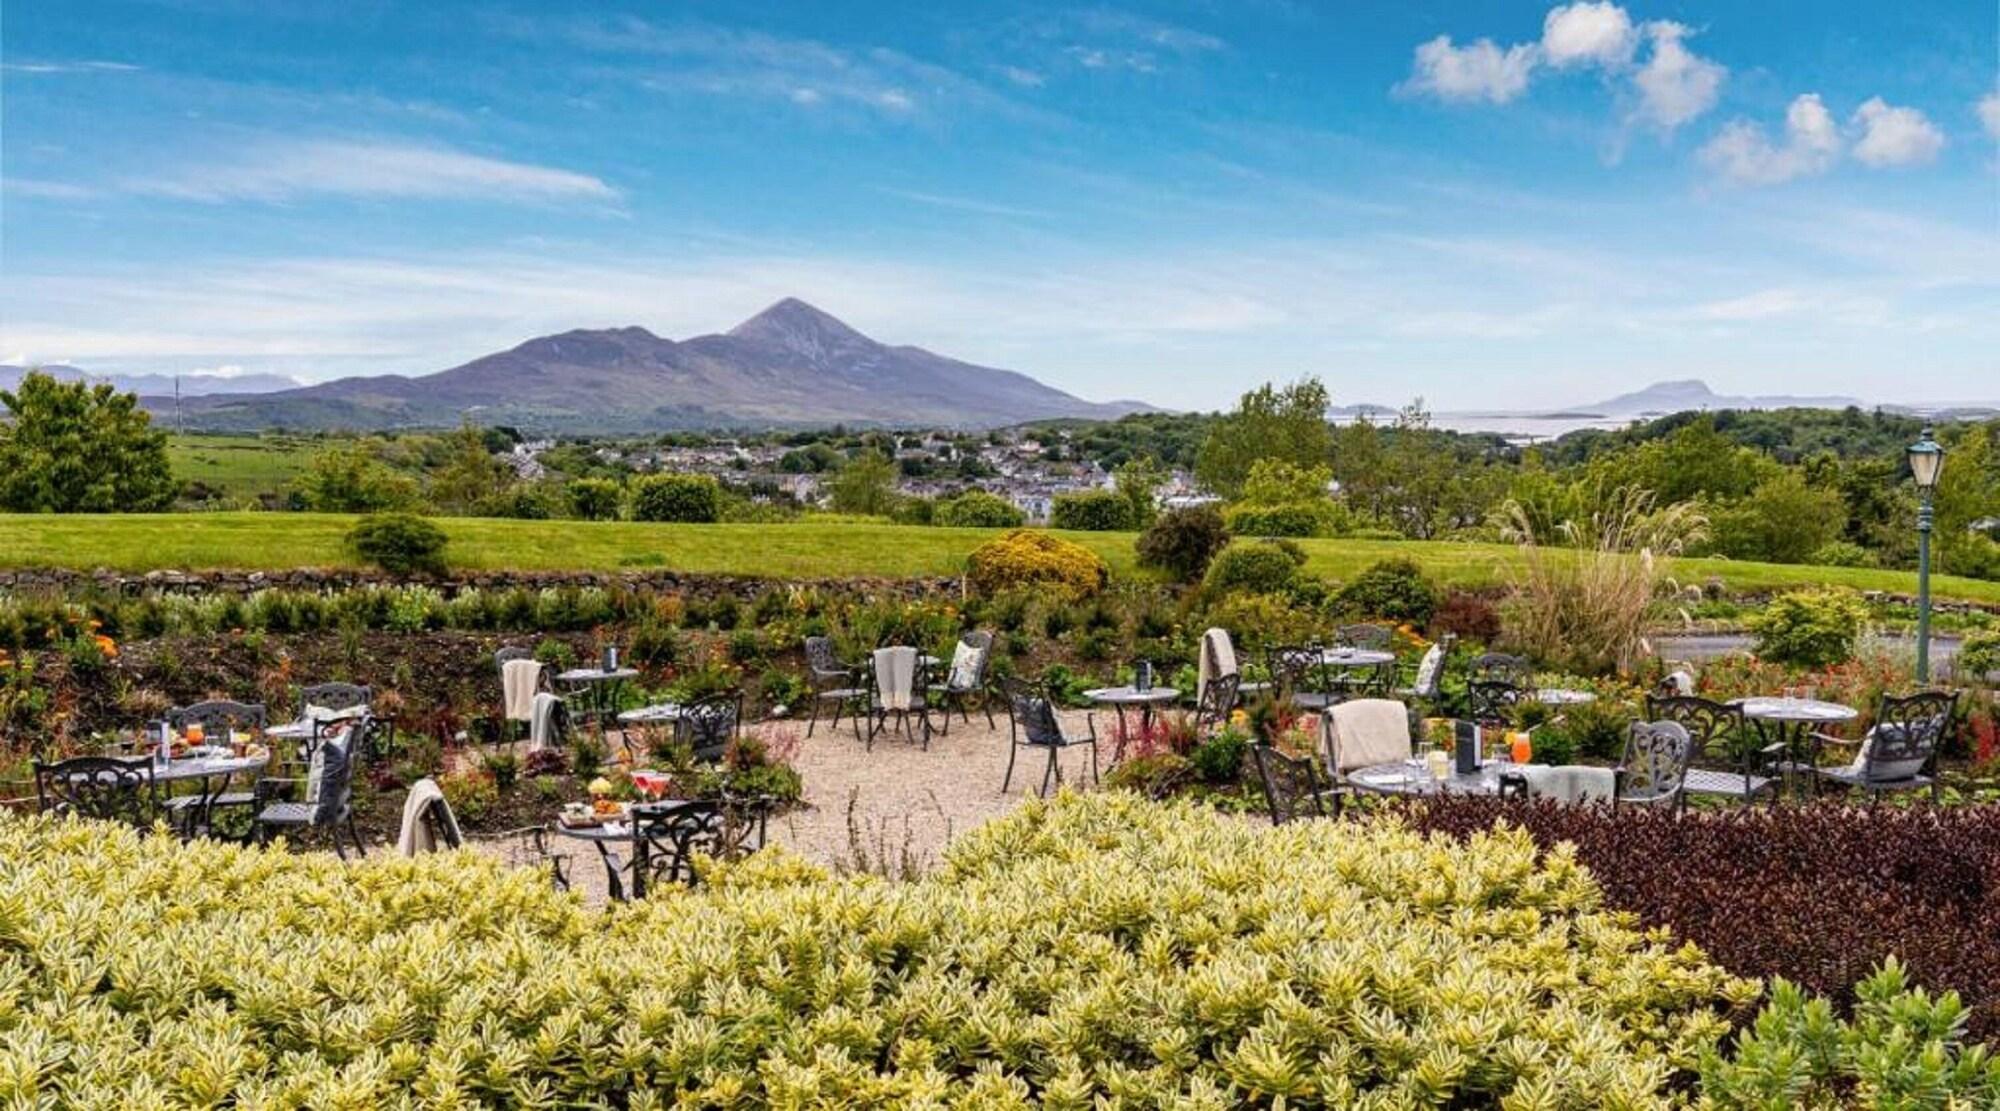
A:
1688,394
159,385
791,364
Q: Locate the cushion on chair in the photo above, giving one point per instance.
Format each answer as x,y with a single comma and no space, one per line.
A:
1704,781
286,814
1365,731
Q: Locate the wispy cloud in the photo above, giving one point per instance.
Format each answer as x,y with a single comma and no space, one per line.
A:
38,189
965,204
1744,154
50,68
284,169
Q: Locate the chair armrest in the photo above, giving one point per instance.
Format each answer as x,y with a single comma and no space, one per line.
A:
1830,739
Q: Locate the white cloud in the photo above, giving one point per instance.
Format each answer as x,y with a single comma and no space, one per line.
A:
279,170
1586,33
1026,78
1675,85
1892,136
46,68
25,187
1744,154
1989,113
1479,70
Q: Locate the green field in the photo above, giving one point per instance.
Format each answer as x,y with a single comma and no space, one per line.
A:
839,549
242,467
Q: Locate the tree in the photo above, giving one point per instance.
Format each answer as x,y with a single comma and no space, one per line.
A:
979,509
866,485
687,498
1783,521
1968,490
347,479
1091,511
1268,423
1182,542
77,448
1137,478
399,543
472,478
594,499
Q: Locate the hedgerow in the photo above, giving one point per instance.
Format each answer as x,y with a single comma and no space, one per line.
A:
1087,952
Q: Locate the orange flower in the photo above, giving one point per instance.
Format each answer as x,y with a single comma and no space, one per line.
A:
107,646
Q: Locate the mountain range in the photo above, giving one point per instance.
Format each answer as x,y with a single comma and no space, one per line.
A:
791,364
1686,394
159,385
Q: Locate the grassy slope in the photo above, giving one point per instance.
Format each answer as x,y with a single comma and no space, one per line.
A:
240,466
812,550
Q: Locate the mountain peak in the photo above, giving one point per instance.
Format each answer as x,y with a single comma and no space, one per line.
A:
800,327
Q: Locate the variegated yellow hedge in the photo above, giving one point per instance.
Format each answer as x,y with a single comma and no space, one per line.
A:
1101,951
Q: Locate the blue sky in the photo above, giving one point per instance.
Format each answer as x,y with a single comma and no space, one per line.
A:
1493,204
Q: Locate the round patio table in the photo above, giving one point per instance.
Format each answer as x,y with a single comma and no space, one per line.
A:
1412,777
211,773
599,688
306,728
1118,698
1356,657
619,831
664,713
1563,696
1790,721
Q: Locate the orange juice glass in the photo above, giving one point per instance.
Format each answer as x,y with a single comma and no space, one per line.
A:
1523,749
195,733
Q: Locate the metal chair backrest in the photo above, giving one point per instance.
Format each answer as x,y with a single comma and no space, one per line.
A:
1291,785
678,831
707,725
438,818
1362,636
1489,701
218,715
821,660
1217,701
1706,720
1298,667
981,642
1031,713
1655,762
337,696
1501,667
503,656
104,787
1907,735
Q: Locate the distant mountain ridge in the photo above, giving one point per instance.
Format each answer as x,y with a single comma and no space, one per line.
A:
1682,395
791,364
159,385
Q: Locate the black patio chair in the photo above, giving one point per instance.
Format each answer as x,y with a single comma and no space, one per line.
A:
1300,674
194,812
1217,702
1899,752
1724,758
676,833
879,712
107,788
1502,668
1491,702
1292,786
707,725
327,795
336,696
523,847
831,681
959,690
1032,722
219,715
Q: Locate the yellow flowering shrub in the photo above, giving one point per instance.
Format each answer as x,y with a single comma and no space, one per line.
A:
1088,952
1031,558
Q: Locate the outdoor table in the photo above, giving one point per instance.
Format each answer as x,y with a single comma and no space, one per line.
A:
599,689
1119,698
664,713
1412,777
307,728
1356,657
1790,721
617,831
203,770
1563,696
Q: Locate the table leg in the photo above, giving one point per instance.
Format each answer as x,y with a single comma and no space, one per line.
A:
642,863
1118,750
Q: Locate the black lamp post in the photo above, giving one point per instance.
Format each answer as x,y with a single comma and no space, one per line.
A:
1926,459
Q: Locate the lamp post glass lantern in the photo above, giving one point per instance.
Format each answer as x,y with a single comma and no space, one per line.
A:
1926,460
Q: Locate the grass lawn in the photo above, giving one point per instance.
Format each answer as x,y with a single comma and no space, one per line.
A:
242,467
136,542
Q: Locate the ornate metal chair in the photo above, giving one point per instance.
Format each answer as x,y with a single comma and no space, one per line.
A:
914,704
1501,667
327,801
707,725
1217,702
957,690
1032,722
675,833
1653,769
1900,751
1362,635
1724,758
108,788
523,847
336,696
831,681
218,715
1491,701
1299,671
1292,786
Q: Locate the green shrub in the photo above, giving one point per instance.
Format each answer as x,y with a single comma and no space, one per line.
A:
1219,759
1092,511
1297,519
1028,557
1091,951
1260,568
473,795
1842,553
694,498
594,499
979,509
1393,589
399,543
1182,542
1810,628
1978,656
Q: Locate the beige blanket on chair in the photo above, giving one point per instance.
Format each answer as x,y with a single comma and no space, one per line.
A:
1365,731
1218,657
895,675
519,680
418,836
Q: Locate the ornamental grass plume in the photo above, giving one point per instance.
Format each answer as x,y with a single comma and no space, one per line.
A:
1583,593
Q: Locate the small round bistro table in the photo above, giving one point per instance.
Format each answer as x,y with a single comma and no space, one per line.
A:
1790,721
211,773
599,689
664,713
1412,777
1118,698
1356,657
620,831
